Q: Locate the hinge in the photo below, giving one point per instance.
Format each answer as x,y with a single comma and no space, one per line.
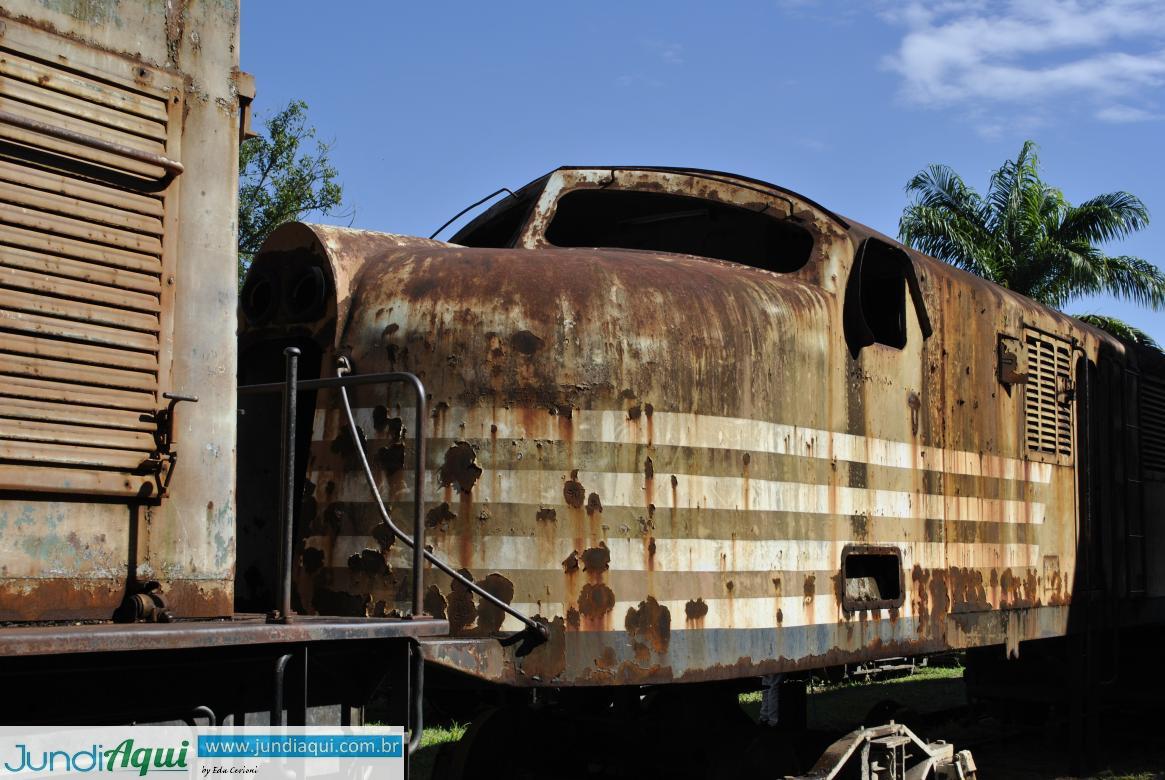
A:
161,463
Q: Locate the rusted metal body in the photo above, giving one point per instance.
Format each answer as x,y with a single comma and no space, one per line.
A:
119,129
239,630
691,469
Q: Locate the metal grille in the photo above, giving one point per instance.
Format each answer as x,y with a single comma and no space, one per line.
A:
1047,410
83,267
1152,425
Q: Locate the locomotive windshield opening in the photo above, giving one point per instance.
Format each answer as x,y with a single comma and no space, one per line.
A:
498,227
661,222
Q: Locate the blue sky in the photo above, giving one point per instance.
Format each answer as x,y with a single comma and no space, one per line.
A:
433,105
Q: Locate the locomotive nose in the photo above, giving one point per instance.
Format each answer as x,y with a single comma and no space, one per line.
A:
284,288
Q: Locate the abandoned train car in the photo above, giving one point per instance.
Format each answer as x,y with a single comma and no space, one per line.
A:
120,125
700,428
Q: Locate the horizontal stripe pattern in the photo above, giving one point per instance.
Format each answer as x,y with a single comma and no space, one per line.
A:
701,555
749,516
360,518
677,429
716,493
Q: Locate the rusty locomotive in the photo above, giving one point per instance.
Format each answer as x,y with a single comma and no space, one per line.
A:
646,427
699,428
702,427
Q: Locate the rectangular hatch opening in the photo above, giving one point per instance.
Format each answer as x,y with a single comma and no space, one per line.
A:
871,577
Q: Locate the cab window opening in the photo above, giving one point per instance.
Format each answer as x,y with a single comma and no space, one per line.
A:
662,222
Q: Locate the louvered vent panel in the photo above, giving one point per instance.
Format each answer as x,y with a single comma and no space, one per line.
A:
1152,425
1047,411
82,255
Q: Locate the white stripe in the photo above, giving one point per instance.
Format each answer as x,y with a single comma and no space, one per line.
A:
674,429
545,488
693,555
722,613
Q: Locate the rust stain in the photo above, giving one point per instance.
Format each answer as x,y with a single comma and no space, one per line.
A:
439,516
460,467
462,611
595,602
525,342
490,616
594,505
547,661
570,563
694,613
573,492
596,559
434,602
650,624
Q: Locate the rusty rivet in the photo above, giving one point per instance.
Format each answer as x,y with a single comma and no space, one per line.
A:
170,279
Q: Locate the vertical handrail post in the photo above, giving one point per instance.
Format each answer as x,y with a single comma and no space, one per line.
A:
419,500
287,494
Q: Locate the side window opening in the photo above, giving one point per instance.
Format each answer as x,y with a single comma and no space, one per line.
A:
498,227
875,297
663,222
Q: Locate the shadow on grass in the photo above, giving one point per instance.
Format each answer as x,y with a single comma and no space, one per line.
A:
421,763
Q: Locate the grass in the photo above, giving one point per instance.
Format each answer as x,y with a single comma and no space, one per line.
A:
421,762
842,706
845,705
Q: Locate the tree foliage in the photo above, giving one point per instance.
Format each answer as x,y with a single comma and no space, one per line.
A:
284,175
1025,235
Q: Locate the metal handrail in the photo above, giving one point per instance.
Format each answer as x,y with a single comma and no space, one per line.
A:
541,630
290,388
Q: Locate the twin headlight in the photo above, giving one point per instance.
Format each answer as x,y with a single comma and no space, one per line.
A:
283,292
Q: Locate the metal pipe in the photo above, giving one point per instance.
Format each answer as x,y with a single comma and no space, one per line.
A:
172,167
287,497
418,500
277,699
346,380
205,712
416,696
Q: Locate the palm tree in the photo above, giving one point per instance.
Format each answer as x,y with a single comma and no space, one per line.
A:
1025,236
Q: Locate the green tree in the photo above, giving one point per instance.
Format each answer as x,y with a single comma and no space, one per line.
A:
1025,236
284,175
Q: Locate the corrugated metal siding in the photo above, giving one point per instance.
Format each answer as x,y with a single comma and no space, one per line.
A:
1047,416
83,268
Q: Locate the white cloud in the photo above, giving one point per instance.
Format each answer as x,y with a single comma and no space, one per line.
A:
1109,56
1120,114
670,52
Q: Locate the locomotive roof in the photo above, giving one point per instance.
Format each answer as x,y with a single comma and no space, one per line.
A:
747,182
857,230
